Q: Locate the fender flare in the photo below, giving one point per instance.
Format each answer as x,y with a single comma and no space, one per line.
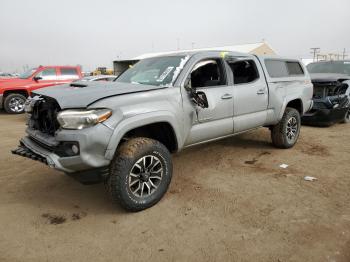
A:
16,90
286,100
7,92
138,121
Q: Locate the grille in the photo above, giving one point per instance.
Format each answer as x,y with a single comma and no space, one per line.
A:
44,116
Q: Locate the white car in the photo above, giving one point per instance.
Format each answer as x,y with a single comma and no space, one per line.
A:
98,78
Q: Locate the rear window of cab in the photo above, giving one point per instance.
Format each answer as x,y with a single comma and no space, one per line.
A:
283,68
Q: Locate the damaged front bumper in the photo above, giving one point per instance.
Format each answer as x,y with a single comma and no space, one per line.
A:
88,165
327,111
324,117
31,149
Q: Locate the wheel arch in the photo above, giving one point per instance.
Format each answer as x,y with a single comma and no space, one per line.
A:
16,91
161,126
6,93
295,103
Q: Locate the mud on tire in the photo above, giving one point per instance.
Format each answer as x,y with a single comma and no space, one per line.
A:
140,174
285,134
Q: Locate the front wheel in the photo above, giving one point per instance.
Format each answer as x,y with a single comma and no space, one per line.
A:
286,133
140,174
14,103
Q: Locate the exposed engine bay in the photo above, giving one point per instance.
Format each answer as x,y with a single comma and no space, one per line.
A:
331,101
330,95
43,114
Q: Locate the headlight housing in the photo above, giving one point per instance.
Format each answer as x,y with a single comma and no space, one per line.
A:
82,118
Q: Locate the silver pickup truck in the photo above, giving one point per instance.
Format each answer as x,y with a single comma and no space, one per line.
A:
123,132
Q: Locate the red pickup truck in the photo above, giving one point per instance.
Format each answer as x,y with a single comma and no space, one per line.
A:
14,91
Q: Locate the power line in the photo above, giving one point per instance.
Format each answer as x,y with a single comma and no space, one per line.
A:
315,51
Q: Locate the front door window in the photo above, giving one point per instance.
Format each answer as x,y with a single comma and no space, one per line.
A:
48,74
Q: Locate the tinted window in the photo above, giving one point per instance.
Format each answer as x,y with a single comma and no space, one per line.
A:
330,67
244,71
69,73
294,68
276,68
208,73
48,74
280,68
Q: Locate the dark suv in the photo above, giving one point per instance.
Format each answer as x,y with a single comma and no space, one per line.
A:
331,80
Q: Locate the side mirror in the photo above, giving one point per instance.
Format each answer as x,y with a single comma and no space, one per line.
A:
201,99
37,78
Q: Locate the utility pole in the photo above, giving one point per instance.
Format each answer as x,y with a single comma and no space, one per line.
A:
178,43
344,54
330,55
192,45
315,51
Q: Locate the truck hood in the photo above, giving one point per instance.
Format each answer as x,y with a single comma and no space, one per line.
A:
328,77
6,79
82,94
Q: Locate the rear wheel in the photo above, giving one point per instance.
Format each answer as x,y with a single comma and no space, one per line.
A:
286,133
140,174
14,103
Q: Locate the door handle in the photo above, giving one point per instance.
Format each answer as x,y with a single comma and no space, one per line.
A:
226,96
261,92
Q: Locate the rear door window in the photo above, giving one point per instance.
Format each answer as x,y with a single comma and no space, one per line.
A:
244,72
69,73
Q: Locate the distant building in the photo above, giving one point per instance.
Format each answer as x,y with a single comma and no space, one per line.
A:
261,48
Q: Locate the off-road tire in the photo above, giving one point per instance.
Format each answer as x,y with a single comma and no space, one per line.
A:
127,155
8,100
279,131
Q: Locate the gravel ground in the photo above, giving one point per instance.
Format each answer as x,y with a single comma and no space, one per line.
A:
228,201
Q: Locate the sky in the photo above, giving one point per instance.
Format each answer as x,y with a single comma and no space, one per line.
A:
94,33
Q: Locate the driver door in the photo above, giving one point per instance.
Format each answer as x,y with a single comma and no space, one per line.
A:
209,77
48,77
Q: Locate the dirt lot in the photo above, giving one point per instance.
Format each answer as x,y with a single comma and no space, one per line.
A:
228,201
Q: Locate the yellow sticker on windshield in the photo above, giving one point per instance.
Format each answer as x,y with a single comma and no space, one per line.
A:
223,54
